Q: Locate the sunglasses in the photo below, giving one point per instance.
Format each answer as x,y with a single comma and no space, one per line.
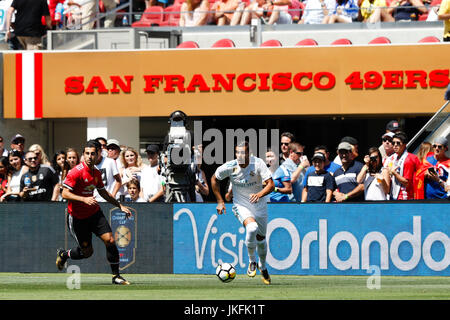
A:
285,143
299,153
386,139
32,159
435,146
397,143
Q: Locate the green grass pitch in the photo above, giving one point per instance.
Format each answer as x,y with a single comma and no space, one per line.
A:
53,286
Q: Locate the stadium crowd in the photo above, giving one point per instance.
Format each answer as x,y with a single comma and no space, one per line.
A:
386,172
23,23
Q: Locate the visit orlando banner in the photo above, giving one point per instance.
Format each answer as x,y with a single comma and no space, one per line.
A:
320,239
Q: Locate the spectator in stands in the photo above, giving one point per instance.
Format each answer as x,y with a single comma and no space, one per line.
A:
201,184
254,10
28,26
320,184
283,185
40,183
4,169
40,153
134,190
114,150
376,179
425,150
18,168
354,154
316,11
228,12
444,15
195,13
406,10
386,149
103,143
277,12
345,11
3,151
151,180
296,165
110,5
373,11
347,187
110,174
433,10
271,162
132,167
329,166
18,143
404,165
61,167
438,170
285,139
72,157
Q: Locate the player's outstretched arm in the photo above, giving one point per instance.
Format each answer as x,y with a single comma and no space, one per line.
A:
108,197
215,186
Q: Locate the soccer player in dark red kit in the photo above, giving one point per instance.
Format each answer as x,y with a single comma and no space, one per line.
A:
85,216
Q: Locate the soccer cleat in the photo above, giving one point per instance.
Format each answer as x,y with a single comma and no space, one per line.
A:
265,276
251,271
60,259
118,279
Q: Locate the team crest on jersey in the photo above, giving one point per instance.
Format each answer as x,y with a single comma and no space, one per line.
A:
34,178
90,188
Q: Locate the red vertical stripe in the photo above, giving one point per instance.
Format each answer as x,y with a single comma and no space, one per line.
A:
19,85
38,85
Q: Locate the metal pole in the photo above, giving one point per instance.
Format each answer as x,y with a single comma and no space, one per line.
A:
425,126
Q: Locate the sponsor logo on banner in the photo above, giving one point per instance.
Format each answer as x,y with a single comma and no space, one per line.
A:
124,231
320,239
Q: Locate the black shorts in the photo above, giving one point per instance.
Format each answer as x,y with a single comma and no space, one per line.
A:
82,229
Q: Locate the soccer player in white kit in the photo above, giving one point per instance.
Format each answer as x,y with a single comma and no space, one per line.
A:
247,175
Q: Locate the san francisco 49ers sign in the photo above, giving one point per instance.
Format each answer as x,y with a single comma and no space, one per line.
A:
391,79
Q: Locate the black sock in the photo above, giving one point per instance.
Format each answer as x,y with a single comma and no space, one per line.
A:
112,255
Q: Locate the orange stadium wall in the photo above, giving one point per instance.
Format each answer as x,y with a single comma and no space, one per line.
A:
357,80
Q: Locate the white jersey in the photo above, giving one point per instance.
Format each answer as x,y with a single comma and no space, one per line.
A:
108,168
245,181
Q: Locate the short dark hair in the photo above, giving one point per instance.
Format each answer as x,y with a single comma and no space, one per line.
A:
92,144
288,135
321,147
401,136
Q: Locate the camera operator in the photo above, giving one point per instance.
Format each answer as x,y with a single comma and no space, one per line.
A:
376,179
176,161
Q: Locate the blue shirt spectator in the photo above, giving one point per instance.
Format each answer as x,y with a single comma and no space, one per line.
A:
281,175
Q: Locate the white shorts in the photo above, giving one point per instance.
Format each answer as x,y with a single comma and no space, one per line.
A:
242,213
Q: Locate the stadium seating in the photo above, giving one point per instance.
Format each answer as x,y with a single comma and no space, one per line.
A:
271,43
188,44
342,41
380,40
150,17
224,43
429,39
171,15
307,42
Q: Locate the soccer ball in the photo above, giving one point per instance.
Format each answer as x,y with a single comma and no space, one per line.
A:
226,272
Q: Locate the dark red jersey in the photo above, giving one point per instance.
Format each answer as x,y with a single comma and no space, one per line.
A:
82,181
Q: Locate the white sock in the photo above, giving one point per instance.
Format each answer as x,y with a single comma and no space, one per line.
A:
262,253
250,240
